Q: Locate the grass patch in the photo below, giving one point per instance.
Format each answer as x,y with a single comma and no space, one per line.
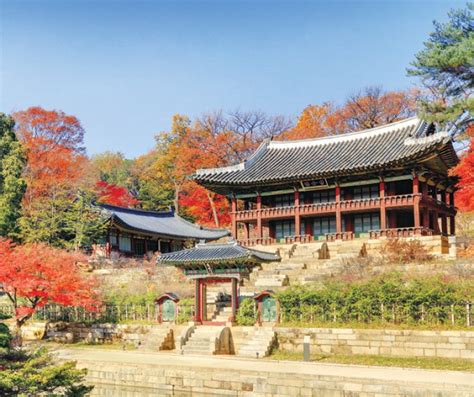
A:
449,364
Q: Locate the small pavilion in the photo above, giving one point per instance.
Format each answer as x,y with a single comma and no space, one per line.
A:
213,264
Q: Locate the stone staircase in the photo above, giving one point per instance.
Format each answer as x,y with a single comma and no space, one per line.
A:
208,340
255,342
222,314
159,338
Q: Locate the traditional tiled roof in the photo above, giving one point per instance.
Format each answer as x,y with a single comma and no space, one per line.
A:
163,224
402,143
229,252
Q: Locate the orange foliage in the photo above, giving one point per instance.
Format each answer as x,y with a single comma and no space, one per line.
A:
53,142
114,195
368,109
465,171
36,274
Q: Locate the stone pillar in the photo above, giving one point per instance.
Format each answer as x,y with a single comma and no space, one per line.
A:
338,210
197,300
297,213
383,212
259,216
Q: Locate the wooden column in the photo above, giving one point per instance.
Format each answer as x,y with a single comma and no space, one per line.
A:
259,216
416,201
452,225
436,222
338,210
451,199
235,299
297,213
383,212
444,224
197,300
246,230
234,217
203,300
426,217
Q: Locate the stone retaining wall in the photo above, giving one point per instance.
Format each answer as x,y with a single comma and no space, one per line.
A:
452,344
97,333
164,378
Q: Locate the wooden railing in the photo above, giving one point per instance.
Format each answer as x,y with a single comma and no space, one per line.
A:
345,236
257,241
401,232
331,207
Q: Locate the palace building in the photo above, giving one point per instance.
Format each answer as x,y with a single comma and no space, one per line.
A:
388,181
136,232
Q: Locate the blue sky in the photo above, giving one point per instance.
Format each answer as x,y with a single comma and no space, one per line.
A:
125,67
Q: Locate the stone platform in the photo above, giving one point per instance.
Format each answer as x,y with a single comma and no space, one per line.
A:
133,374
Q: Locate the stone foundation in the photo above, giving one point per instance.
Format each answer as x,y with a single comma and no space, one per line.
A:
408,343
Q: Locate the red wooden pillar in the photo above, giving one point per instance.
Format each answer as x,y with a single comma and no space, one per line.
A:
259,216
444,224
234,217
338,210
197,300
436,222
235,299
424,189
203,303
447,197
297,213
416,201
383,212
246,231
426,217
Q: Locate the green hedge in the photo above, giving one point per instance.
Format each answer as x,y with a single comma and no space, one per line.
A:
387,298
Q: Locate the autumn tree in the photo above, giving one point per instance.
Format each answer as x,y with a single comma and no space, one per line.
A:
445,67
12,184
54,175
114,195
368,108
35,275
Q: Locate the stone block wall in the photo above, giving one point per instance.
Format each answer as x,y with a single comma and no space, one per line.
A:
409,343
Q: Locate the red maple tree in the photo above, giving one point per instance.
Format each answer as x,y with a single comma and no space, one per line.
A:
115,195
34,275
465,171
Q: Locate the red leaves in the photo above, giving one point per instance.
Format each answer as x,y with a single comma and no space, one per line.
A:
465,171
115,195
34,275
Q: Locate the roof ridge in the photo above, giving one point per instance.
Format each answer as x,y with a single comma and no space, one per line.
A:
381,129
135,210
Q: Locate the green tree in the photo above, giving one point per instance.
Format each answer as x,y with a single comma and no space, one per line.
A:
12,185
446,69
36,374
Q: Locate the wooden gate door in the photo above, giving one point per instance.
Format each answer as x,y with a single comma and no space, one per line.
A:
269,309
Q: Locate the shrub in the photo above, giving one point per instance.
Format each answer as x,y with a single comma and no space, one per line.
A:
246,314
397,251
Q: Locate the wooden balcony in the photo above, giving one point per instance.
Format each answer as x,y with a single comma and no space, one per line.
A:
269,213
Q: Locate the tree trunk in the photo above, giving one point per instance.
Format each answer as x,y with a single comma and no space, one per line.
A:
17,340
177,190
213,208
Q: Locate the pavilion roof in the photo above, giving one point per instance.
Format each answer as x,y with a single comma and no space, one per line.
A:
403,143
216,254
163,224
